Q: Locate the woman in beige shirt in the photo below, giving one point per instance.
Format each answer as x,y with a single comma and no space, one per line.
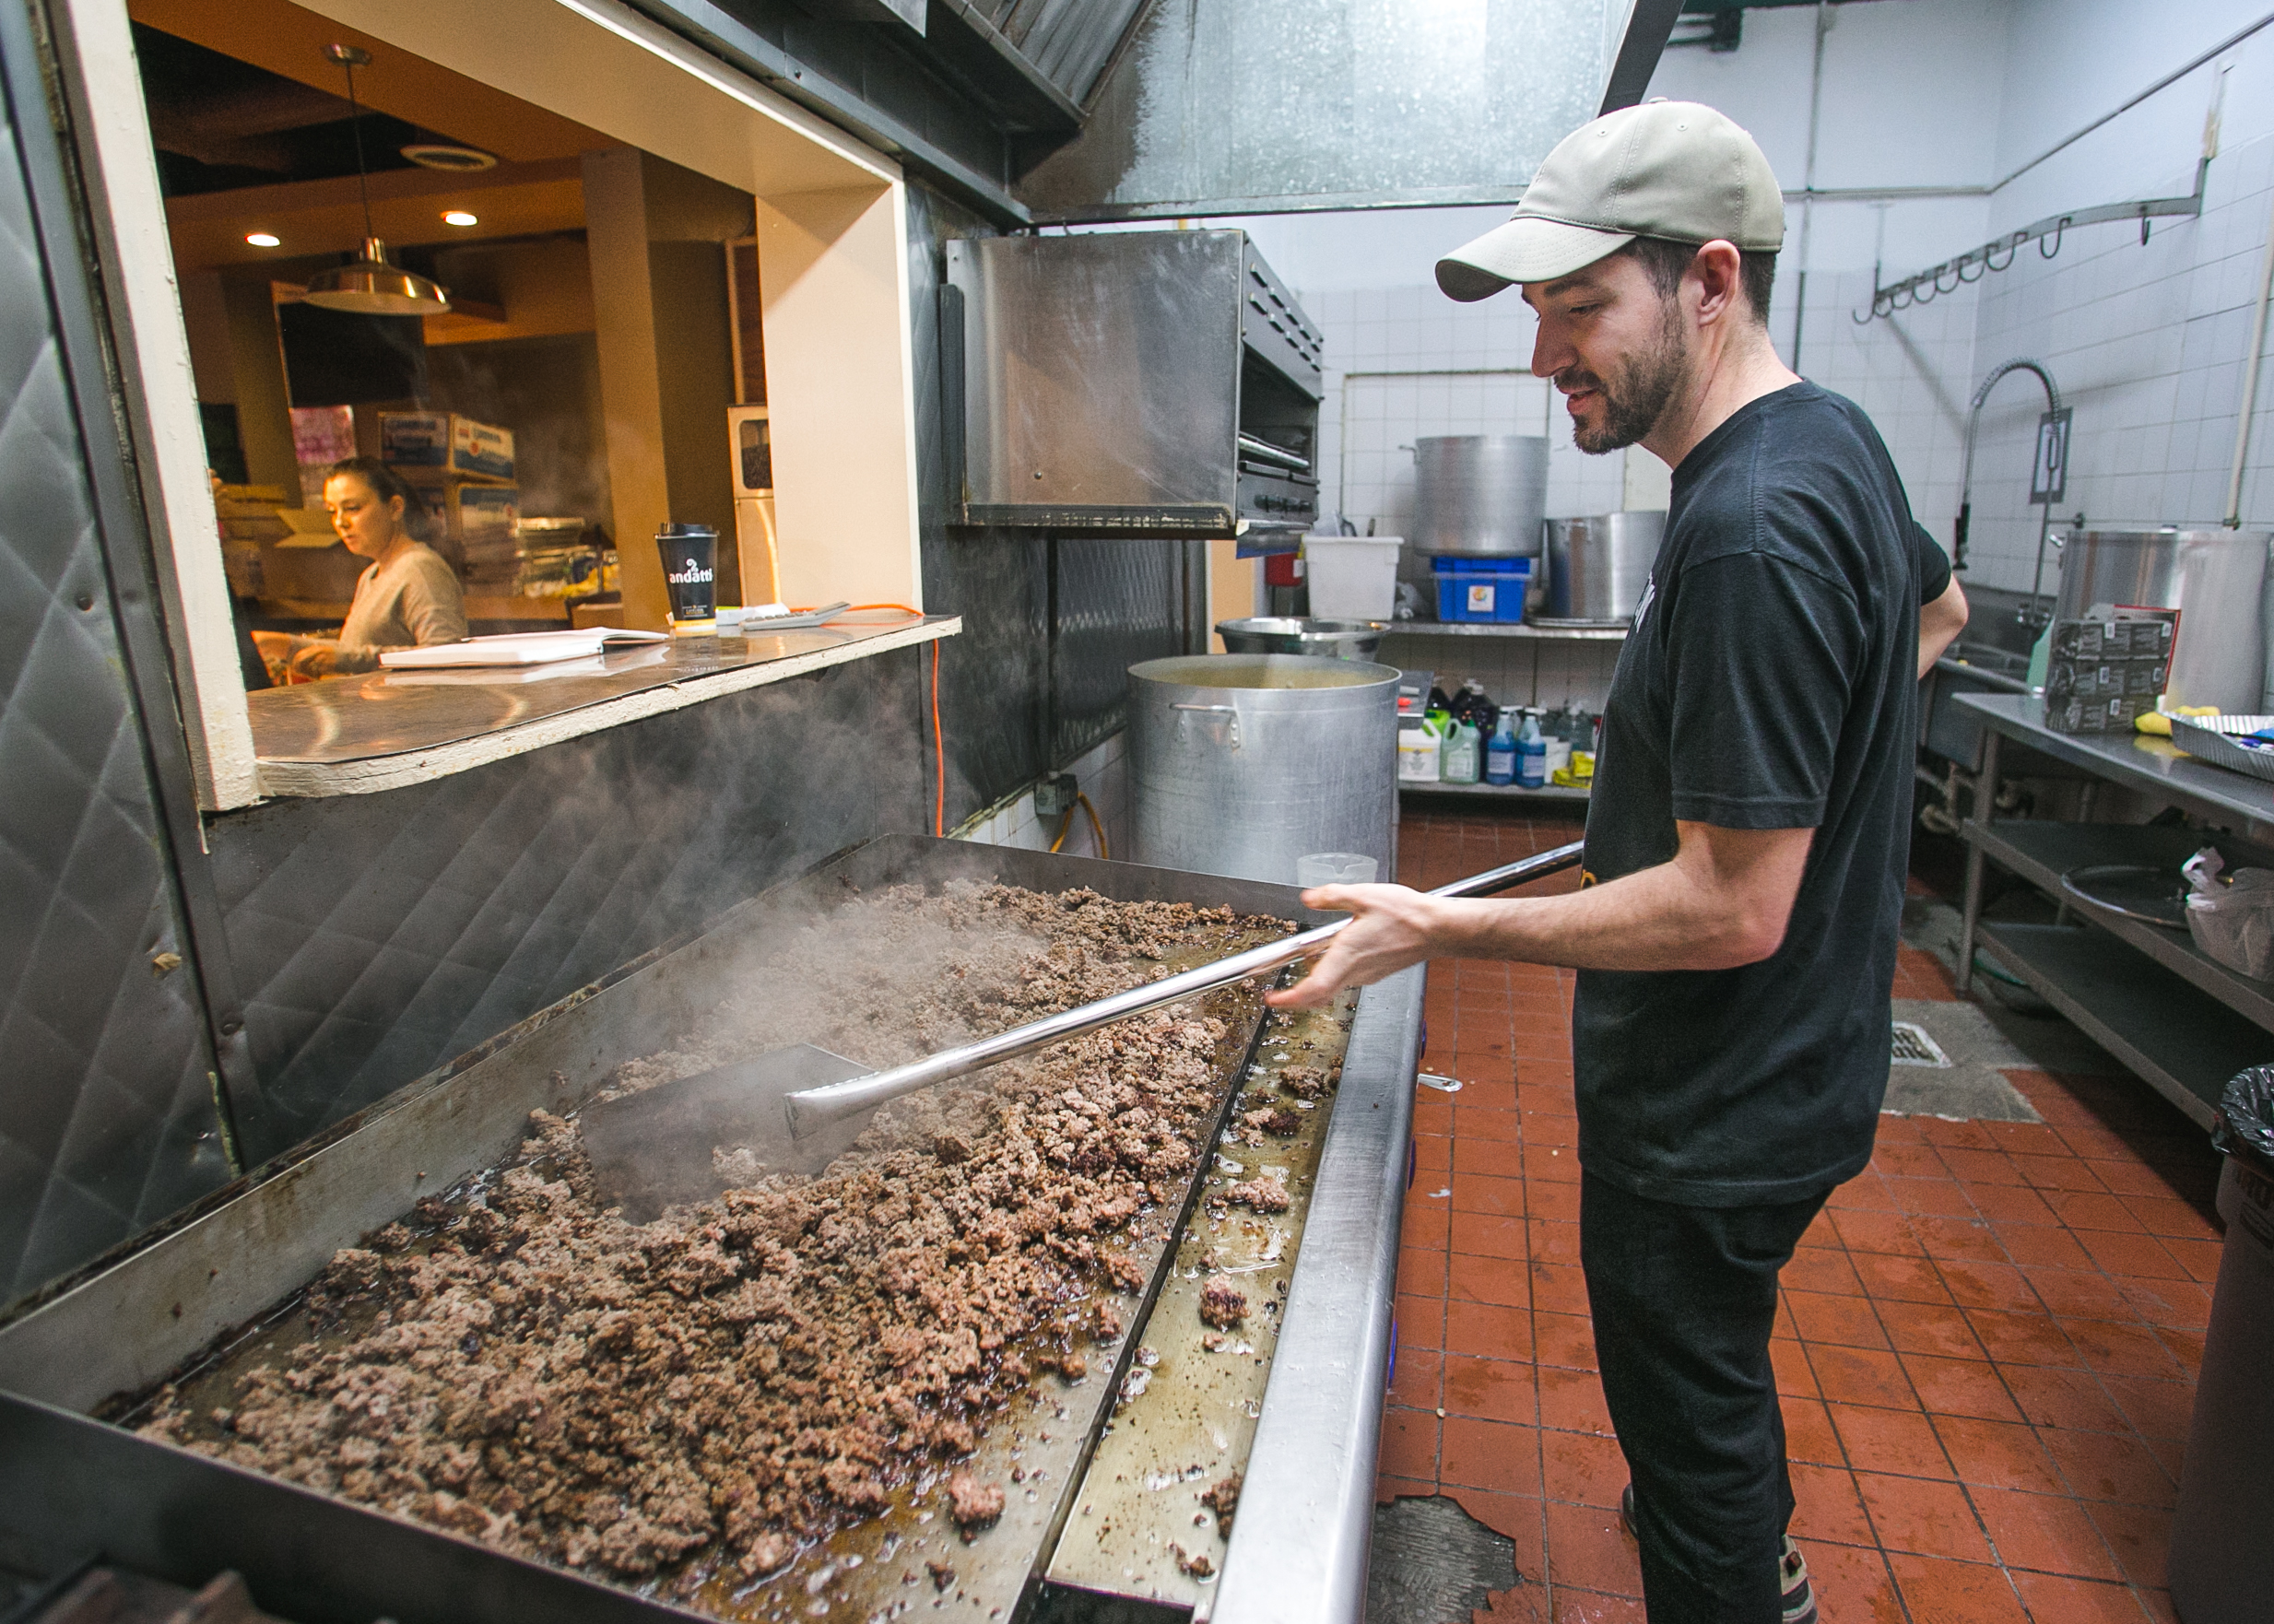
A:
408,597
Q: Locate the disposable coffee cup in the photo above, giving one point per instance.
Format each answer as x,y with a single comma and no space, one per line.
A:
690,573
1334,868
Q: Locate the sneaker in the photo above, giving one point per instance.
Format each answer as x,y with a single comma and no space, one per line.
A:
1800,1595
1792,1569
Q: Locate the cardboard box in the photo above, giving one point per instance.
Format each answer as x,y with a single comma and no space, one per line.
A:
439,445
310,574
475,510
2103,673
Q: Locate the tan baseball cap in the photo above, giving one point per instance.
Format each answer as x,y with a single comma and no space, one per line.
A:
1675,170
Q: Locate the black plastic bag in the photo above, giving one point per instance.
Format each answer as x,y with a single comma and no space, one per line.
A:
2246,1129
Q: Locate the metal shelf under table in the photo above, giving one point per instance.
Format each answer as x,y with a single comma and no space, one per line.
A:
2042,853
2184,1043
2183,1021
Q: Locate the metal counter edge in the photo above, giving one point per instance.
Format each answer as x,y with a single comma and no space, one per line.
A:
1304,1529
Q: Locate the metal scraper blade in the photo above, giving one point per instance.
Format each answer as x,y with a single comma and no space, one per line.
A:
653,1149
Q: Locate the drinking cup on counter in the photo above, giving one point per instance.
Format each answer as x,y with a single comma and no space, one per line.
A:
691,572
1334,868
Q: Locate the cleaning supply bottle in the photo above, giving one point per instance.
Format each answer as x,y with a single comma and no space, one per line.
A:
1464,761
1500,755
1531,754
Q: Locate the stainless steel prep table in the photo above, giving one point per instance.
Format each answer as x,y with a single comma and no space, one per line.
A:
1299,1545
2182,1020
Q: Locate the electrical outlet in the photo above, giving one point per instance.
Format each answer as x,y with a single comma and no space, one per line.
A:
1053,795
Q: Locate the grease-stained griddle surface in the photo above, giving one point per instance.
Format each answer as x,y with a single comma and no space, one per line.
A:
1156,1508
858,1396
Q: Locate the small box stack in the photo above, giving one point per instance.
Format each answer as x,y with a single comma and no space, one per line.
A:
249,524
465,471
2106,672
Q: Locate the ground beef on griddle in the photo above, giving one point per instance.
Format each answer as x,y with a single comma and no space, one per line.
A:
747,1375
973,1504
1223,1499
1308,1082
1222,1304
1265,1193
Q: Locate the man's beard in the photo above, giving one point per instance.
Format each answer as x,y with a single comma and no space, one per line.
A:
1647,383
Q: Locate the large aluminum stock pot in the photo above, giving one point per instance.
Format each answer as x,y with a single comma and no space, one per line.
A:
1242,763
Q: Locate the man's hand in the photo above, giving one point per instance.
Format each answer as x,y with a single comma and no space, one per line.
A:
1390,930
1723,901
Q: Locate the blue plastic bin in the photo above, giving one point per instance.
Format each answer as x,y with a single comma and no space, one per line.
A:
1482,589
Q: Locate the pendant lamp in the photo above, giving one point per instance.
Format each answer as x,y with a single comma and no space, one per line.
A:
369,286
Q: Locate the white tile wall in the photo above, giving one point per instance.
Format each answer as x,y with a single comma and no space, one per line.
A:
1402,362
2146,343
1101,773
1395,361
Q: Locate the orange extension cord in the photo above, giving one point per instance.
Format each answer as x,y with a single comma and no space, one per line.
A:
1066,823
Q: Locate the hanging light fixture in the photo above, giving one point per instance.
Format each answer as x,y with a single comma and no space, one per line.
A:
369,286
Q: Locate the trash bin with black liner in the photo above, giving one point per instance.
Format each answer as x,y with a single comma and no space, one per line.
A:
2224,1526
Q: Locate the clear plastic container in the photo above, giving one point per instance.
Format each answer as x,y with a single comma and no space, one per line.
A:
1334,868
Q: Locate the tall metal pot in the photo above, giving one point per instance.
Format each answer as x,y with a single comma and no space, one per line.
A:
1241,763
1479,495
1598,566
2216,578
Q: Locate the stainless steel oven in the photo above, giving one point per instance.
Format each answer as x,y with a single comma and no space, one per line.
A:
1138,383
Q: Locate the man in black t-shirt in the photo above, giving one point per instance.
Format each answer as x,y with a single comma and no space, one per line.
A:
1748,834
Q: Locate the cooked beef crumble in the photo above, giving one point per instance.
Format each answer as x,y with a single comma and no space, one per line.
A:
973,1504
1223,1500
1264,1194
1309,1082
1222,1304
709,1391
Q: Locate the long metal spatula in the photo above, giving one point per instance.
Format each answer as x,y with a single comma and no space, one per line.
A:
653,1148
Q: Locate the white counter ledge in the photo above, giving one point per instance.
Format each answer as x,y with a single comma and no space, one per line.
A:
360,734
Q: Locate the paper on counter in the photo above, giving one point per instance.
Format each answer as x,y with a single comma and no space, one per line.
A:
519,648
492,676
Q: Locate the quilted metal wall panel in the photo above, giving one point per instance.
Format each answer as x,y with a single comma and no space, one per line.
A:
1119,601
108,1120
375,937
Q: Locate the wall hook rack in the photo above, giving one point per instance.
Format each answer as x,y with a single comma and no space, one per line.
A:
2048,234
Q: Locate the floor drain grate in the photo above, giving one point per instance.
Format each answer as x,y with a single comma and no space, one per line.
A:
1913,1047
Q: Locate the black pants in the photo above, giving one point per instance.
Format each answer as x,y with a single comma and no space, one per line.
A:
1684,1299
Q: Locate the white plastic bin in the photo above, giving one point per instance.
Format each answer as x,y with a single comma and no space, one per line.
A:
1352,577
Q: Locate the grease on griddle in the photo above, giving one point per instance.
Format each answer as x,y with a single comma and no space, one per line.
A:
705,1396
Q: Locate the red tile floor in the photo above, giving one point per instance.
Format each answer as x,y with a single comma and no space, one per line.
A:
1987,1347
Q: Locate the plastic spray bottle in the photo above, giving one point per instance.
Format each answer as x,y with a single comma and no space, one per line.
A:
1531,754
1500,755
